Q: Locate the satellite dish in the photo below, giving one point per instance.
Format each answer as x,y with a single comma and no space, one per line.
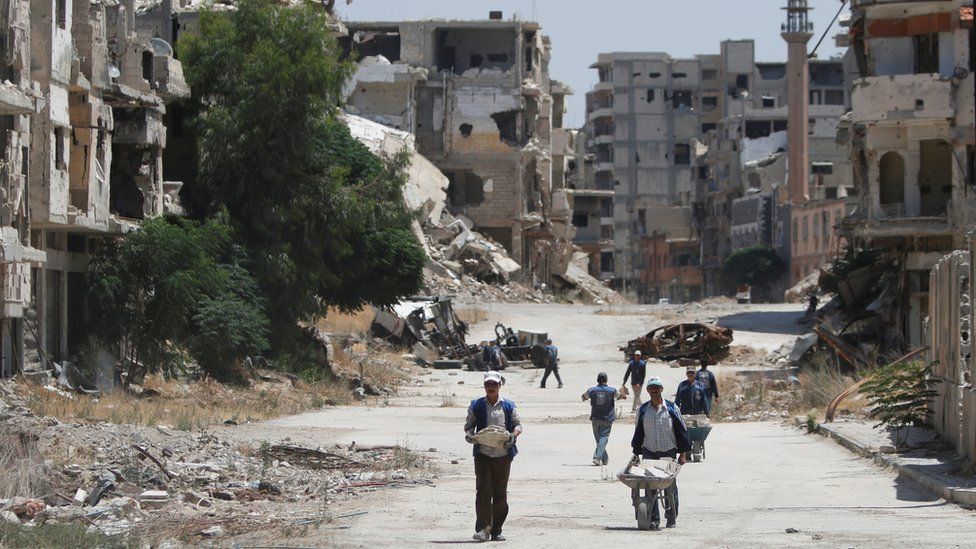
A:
161,47
114,72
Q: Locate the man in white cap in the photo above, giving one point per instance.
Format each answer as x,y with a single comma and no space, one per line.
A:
492,465
660,432
636,370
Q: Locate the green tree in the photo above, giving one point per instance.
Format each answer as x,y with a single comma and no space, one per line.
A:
900,394
322,217
175,286
757,266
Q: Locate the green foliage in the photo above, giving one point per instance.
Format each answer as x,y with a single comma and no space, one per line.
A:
757,266
56,536
900,394
172,286
323,217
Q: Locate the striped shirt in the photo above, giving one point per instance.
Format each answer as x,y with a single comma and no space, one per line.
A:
658,430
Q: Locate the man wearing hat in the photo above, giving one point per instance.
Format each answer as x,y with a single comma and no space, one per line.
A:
690,396
492,465
636,370
602,414
660,432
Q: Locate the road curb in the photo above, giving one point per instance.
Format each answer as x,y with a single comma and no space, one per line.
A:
932,483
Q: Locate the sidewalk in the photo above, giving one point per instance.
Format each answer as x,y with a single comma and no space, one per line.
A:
928,462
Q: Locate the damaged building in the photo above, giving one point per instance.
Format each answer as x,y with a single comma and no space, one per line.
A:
478,97
910,135
743,196
83,141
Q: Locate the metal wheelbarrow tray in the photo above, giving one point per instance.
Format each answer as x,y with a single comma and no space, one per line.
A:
646,489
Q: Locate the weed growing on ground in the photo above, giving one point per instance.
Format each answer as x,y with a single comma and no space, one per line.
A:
57,536
21,465
448,399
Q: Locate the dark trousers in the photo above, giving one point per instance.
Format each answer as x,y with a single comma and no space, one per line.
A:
550,369
491,499
673,513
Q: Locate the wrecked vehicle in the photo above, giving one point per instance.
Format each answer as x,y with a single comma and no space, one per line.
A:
701,342
427,325
526,345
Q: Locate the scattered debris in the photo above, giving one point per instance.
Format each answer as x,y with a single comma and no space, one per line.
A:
428,325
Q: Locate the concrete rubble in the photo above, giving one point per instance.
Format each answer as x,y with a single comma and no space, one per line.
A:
196,484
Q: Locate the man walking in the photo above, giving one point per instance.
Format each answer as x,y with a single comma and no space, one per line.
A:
660,432
492,465
552,364
636,370
690,396
602,415
707,379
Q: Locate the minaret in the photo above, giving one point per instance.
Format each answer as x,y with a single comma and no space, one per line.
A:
797,32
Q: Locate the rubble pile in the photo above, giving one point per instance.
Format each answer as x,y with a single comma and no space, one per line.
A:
159,482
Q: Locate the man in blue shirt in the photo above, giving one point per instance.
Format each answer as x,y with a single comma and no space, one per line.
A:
636,370
492,465
552,364
707,379
602,399
690,397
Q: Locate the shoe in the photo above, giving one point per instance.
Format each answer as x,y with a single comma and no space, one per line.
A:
560,386
597,462
481,536
542,386
497,537
655,526
670,523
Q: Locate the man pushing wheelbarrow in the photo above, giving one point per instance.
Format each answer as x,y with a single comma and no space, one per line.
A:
660,432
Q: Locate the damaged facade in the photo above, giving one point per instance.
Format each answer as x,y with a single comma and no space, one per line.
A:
910,135
87,148
742,197
478,97
644,117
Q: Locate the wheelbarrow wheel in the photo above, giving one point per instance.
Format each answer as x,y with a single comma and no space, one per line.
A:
643,516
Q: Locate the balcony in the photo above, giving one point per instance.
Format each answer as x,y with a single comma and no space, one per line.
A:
606,139
603,167
602,112
14,100
602,87
169,81
901,97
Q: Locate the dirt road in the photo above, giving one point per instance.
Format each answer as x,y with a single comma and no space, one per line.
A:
758,480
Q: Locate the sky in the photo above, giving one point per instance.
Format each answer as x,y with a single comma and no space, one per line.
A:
582,29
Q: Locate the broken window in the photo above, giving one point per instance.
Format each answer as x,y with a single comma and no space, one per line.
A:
709,103
371,43
654,74
679,75
709,74
682,155
742,82
779,125
925,49
476,60
702,172
706,127
757,128
581,220
821,168
650,96
681,99
834,97
830,193
771,71
464,189
498,58
147,68
507,122
62,9
935,176
606,262
768,101
892,179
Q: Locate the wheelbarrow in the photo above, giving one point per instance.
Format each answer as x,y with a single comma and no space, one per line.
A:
698,429
648,481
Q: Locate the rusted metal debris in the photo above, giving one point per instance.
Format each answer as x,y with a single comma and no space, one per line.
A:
311,458
701,342
427,324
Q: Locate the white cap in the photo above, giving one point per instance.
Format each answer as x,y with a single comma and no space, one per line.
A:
637,353
655,381
493,376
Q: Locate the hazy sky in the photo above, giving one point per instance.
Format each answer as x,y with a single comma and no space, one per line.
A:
580,30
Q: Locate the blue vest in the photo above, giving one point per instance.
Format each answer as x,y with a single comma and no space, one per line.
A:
479,407
602,406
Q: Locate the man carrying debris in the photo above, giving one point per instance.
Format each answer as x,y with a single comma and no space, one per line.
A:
690,396
636,370
487,416
552,364
707,379
660,432
602,414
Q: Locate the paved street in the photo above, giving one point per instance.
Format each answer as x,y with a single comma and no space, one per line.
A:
758,479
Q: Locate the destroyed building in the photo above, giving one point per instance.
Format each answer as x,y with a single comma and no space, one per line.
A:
743,198
642,117
83,139
592,205
910,135
479,99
